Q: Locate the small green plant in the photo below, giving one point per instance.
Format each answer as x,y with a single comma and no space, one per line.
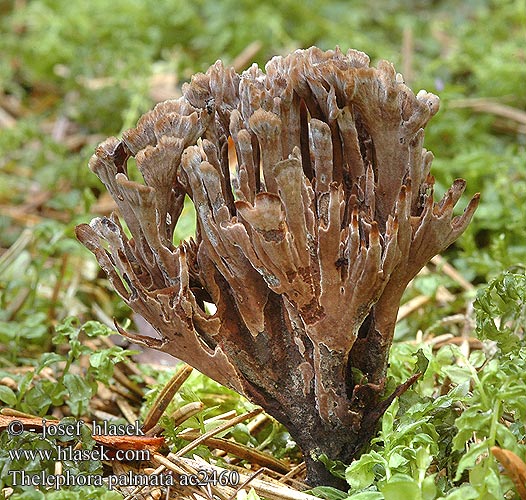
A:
63,385
36,395
87,493
501,312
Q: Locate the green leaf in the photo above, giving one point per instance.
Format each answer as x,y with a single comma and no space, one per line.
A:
470,458
464,492
487,481
500,310
80,393
37,399
367,495
388,418
251,495
47,359
335,467
104,495
32,494
421,361
8,396
66,331
477,359
401,486
96,329
328,493
458,374
429,489
396,460
360,474
62,495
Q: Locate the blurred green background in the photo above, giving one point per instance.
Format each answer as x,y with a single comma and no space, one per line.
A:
73,72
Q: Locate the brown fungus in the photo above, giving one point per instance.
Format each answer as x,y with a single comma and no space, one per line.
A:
305,249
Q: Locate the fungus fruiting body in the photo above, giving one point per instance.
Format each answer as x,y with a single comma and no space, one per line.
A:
309,229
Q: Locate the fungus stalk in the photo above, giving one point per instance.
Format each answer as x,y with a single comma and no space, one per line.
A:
309,228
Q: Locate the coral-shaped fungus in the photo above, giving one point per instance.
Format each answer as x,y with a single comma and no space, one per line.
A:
314,206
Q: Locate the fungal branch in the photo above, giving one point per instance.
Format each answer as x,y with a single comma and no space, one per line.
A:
305,246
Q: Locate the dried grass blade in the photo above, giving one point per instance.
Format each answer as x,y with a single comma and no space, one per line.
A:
514,466
239,450
165,396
